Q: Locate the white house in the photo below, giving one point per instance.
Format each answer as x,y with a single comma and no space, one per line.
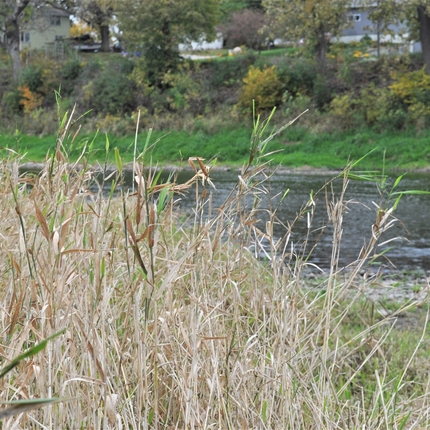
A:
361,25
48,26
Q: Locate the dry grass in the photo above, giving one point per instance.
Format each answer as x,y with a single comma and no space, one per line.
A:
175,324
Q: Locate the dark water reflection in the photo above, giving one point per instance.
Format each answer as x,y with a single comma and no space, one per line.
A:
411,251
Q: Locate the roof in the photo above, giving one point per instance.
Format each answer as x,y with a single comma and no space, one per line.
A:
56,12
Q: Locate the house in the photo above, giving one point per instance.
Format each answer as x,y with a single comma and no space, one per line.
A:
202,45
361,25
47,27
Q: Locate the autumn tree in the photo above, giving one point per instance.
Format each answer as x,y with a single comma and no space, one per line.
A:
98,14
315,21
155,28
245,27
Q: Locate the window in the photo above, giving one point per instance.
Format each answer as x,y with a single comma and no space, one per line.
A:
354,17
25,37
55,20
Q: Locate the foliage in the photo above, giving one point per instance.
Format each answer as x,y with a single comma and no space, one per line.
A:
112,91
69,73
261,86
12,101
80,28
155,29
311,20
245,28
228,73
30,100
93,14
414,13
412,90
298,75
32,77
341,107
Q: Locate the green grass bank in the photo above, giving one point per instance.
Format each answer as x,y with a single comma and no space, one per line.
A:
297,147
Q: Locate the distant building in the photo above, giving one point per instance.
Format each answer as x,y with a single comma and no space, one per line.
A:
49,26
361,25
202,45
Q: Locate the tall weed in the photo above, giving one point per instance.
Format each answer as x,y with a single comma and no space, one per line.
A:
175,320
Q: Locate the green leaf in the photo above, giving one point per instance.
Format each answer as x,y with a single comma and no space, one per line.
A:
264,411
285,195
163,198
411,192
354,163
398,180
118,160
20,406
148,138
29,353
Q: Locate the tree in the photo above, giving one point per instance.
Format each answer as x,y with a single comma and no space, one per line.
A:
155,28
423,17
245,28
12,13
315,21
98,14
383,14
415,13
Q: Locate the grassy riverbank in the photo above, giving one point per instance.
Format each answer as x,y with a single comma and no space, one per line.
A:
297,147
171,321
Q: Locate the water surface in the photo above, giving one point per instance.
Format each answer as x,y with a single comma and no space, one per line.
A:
410,251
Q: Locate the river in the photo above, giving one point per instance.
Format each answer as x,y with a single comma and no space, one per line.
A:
411,251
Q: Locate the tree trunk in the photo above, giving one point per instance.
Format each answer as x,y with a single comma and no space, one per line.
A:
424,22
105,35
321,50
12,46
10,14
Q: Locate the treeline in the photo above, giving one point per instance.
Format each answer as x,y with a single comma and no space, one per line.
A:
391,92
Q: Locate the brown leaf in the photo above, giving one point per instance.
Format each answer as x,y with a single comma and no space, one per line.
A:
42,222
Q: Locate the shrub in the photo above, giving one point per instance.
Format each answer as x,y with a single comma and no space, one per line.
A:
341,107
262,86
30,100
322,93
183,92
229,72
374,104
12,101
112,91
412,91
412,88
298,75
69,72
31,78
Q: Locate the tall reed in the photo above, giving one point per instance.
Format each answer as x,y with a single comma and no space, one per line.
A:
173,322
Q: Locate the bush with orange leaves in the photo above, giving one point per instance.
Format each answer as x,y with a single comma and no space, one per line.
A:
29,100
